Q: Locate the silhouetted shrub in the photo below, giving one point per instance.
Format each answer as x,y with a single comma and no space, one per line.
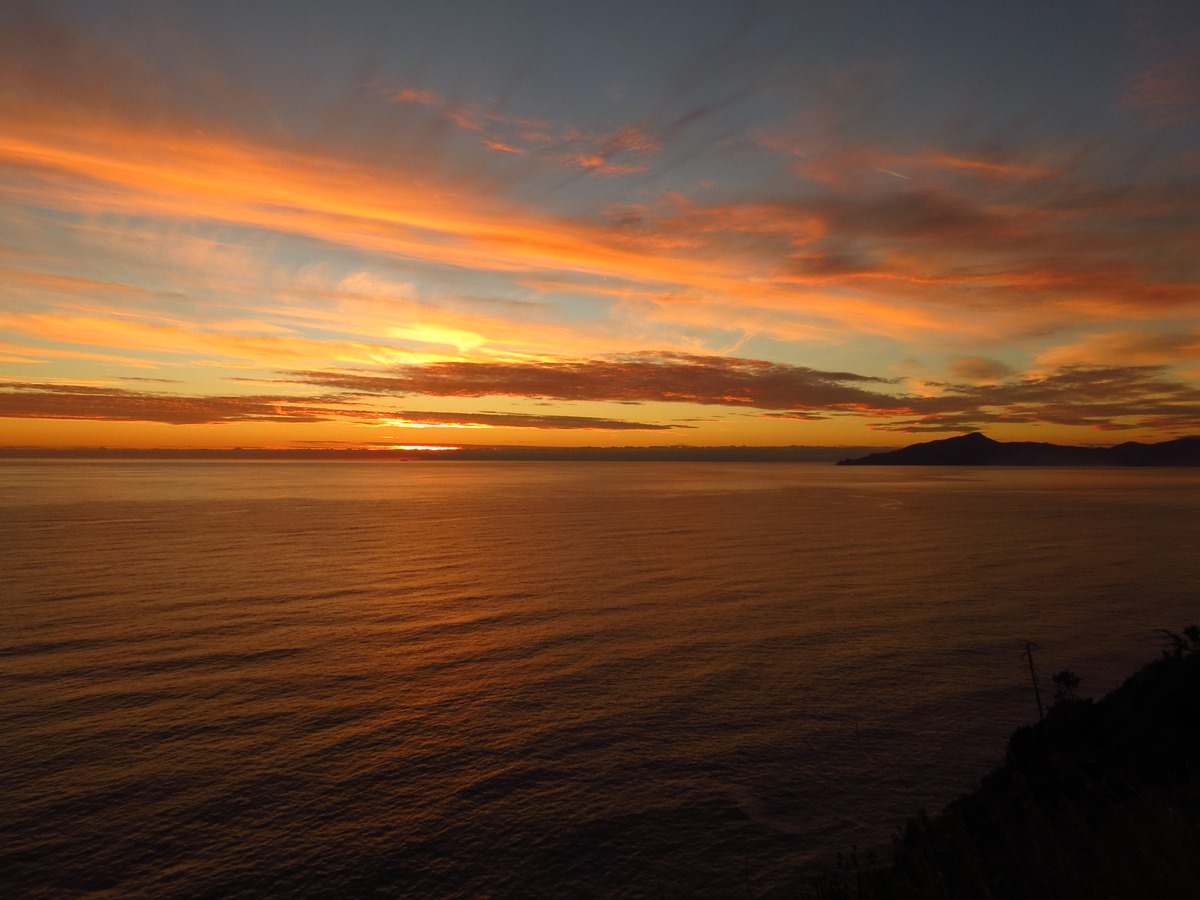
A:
1065,683
1101,799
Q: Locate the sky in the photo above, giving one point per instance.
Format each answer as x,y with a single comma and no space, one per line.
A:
386,224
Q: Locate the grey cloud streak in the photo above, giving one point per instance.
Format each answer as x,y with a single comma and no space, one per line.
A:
1107,398
643,377
1097,396
35,400
39,400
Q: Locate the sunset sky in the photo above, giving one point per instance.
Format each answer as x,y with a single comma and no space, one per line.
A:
357,224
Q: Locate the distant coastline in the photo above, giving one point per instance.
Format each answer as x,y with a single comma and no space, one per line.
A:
796,453
976,449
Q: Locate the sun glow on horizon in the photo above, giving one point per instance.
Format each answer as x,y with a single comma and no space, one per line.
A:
409,423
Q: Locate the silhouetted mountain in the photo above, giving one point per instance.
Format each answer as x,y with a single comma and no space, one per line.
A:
976,449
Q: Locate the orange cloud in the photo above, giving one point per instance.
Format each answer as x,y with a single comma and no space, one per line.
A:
472,117
519,420
171,341
42,282
992,168
502,147
1176,347
135,172
895,262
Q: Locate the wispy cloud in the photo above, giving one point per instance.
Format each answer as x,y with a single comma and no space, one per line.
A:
836,164
625,151
1169,91
1165,85
155,341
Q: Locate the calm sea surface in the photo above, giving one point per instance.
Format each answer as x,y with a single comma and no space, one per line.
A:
537,680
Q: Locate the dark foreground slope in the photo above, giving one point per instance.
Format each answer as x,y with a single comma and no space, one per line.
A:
976,449
1099,800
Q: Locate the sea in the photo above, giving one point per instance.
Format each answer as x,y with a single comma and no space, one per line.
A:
550,679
